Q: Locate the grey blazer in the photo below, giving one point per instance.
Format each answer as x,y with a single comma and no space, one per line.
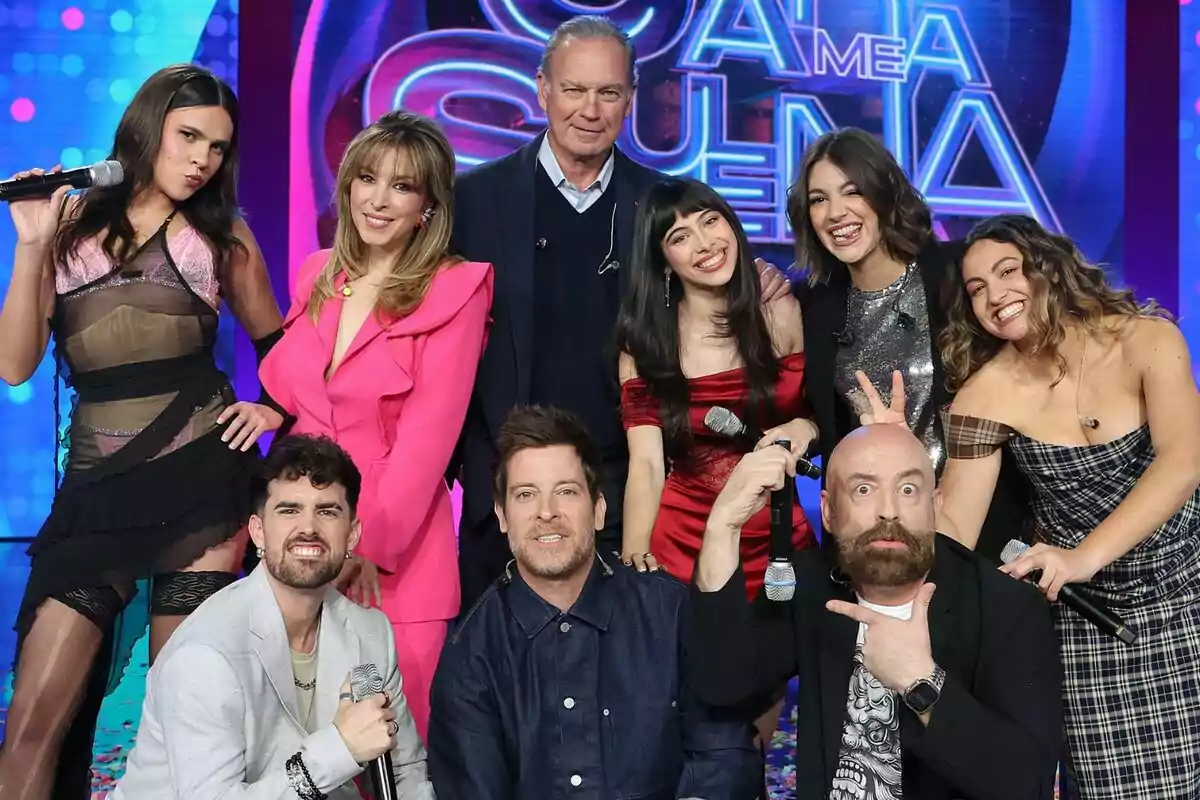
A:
220,714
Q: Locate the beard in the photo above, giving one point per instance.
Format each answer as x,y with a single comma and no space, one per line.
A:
865,565
305,573
574,553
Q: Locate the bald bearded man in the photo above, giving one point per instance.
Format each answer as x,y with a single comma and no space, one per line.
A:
924,672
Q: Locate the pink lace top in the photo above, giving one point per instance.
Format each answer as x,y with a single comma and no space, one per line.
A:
187,248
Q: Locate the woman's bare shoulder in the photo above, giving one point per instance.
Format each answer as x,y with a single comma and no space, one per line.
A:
981,395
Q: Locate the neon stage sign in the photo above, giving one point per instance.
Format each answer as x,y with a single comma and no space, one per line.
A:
432,72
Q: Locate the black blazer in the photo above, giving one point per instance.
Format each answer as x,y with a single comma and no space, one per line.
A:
993,735
824,309
494,222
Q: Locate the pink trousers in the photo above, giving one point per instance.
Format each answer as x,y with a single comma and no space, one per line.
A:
418,647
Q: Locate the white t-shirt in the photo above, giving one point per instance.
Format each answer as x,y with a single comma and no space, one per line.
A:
870,757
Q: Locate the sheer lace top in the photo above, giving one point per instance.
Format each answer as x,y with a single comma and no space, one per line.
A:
187,248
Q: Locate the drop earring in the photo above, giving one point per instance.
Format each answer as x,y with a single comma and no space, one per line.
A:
667,288
426,217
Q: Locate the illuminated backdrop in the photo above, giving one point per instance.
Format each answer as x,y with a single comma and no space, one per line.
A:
1189,176
1020,119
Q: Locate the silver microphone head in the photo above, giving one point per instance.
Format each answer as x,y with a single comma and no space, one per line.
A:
106,173
365,681
723,422
1013,550
780,581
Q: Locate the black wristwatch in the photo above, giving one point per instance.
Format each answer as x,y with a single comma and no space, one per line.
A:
922,693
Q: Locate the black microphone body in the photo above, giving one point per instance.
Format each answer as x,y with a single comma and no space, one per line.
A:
780,578
102,174
724,422
379,773
1091,610
364,682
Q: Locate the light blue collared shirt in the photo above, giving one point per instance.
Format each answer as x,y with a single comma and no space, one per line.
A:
580,199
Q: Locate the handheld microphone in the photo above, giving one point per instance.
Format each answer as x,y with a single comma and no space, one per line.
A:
1091,610
365,681
723,422
780,578
101,175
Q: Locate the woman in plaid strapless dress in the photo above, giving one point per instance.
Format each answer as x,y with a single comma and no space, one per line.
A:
1095,399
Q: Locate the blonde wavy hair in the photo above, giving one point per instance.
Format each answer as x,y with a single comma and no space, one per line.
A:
429,248
1064,285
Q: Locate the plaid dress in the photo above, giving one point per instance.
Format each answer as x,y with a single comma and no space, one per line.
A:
1132,712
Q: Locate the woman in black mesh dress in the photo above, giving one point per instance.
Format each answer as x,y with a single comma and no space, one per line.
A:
128,281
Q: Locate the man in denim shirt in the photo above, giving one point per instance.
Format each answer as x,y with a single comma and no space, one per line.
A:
565,680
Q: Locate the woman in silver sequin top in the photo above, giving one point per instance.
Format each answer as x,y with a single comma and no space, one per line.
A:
871,304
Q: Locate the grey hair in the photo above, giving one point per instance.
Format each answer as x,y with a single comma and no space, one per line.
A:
589,26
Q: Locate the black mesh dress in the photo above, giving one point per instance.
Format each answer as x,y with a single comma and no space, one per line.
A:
149,485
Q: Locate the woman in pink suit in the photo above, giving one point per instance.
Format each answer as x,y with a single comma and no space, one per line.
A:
379,353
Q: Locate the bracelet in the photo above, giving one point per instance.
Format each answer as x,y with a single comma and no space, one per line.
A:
300,781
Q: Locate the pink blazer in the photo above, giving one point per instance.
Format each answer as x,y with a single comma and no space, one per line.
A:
396,403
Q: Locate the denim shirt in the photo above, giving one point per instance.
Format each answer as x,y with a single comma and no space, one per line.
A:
530,703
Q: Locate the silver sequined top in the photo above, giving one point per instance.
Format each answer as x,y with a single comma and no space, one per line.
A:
880,345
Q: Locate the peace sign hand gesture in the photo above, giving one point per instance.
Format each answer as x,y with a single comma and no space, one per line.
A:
879,413
896,651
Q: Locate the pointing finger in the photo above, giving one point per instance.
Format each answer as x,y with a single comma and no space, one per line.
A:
921,607
851,610
868,389
898,392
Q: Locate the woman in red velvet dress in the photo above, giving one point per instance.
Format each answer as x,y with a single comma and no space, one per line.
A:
694,334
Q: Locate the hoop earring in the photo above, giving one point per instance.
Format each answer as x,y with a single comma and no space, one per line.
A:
667,288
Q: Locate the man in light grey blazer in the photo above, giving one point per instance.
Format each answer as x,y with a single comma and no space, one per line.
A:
251,696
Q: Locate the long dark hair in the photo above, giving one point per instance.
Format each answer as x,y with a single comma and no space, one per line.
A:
905,225
648,330
212,210
1064,283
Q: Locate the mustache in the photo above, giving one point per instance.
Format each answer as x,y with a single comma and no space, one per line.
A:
306,538
888,530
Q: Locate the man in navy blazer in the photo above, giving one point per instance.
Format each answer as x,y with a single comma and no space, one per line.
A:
555,219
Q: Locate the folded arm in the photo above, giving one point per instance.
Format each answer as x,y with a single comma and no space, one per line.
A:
427,432
1012,716
738,651
466,740
202,710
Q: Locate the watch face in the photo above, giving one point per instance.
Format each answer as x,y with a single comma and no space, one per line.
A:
921,697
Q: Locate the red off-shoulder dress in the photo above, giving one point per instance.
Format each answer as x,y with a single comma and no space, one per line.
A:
692,485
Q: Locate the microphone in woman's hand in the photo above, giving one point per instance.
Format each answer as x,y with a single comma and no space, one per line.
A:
723,422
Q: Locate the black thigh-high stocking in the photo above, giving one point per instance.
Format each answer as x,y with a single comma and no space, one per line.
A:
55,668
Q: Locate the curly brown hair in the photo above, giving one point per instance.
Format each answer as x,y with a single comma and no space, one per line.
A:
906,226
1064,283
